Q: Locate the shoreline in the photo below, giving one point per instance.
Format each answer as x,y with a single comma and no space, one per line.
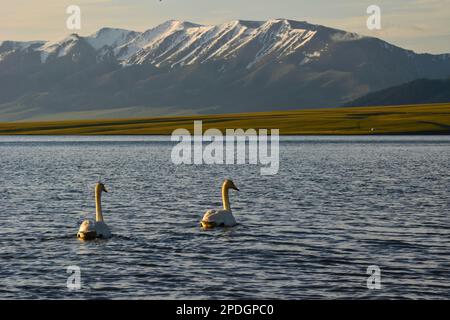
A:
431,119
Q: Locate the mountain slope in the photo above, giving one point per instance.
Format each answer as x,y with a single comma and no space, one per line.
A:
422,91
181,67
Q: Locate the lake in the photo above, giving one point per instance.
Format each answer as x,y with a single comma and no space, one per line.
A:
336,206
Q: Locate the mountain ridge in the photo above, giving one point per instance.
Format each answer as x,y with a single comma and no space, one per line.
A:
420,91
179,66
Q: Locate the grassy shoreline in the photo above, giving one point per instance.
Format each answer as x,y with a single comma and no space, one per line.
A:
395,120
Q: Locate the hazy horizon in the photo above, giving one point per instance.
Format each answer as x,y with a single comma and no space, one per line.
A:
419,25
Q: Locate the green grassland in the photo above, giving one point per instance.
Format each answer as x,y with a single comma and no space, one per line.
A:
412,119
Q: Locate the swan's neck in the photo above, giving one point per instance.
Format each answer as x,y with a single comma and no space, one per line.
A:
225,199
98,205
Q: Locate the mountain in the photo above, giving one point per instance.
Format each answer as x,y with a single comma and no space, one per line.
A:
421,91
181,67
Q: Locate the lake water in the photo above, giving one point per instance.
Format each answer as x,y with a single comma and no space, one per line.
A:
337,206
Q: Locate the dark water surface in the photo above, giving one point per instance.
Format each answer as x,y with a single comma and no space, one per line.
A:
337,205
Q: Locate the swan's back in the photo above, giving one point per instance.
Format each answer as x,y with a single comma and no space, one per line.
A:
90,230
218,218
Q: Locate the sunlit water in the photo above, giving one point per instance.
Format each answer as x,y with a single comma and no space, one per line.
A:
337,206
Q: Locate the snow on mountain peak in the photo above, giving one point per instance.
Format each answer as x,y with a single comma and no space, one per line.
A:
177,43
178,24
19,45
110,37
345,36
10,47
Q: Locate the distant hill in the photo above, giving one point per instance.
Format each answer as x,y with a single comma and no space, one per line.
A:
180,68
419,91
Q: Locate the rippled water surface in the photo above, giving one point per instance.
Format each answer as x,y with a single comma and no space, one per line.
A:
336,206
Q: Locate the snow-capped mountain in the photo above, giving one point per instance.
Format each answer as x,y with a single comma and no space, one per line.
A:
178,43
10,46
109,37
183,67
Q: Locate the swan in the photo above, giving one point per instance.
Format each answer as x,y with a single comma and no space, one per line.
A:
89,229
221,218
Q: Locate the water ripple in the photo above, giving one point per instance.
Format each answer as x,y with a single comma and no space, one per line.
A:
337,206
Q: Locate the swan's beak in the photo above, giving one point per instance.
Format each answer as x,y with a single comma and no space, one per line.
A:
104,189
234,188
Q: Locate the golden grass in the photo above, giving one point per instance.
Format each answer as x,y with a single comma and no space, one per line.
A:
410,119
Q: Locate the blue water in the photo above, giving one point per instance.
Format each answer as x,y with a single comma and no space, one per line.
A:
337,205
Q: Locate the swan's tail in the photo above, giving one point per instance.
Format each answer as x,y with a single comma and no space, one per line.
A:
87,231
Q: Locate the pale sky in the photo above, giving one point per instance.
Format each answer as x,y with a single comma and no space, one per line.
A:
419,25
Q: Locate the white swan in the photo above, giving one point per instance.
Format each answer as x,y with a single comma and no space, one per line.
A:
221,218
89,229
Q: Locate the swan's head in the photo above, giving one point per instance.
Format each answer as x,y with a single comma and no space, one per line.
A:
100,187
229,184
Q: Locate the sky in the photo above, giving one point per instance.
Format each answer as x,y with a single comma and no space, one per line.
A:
419,25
